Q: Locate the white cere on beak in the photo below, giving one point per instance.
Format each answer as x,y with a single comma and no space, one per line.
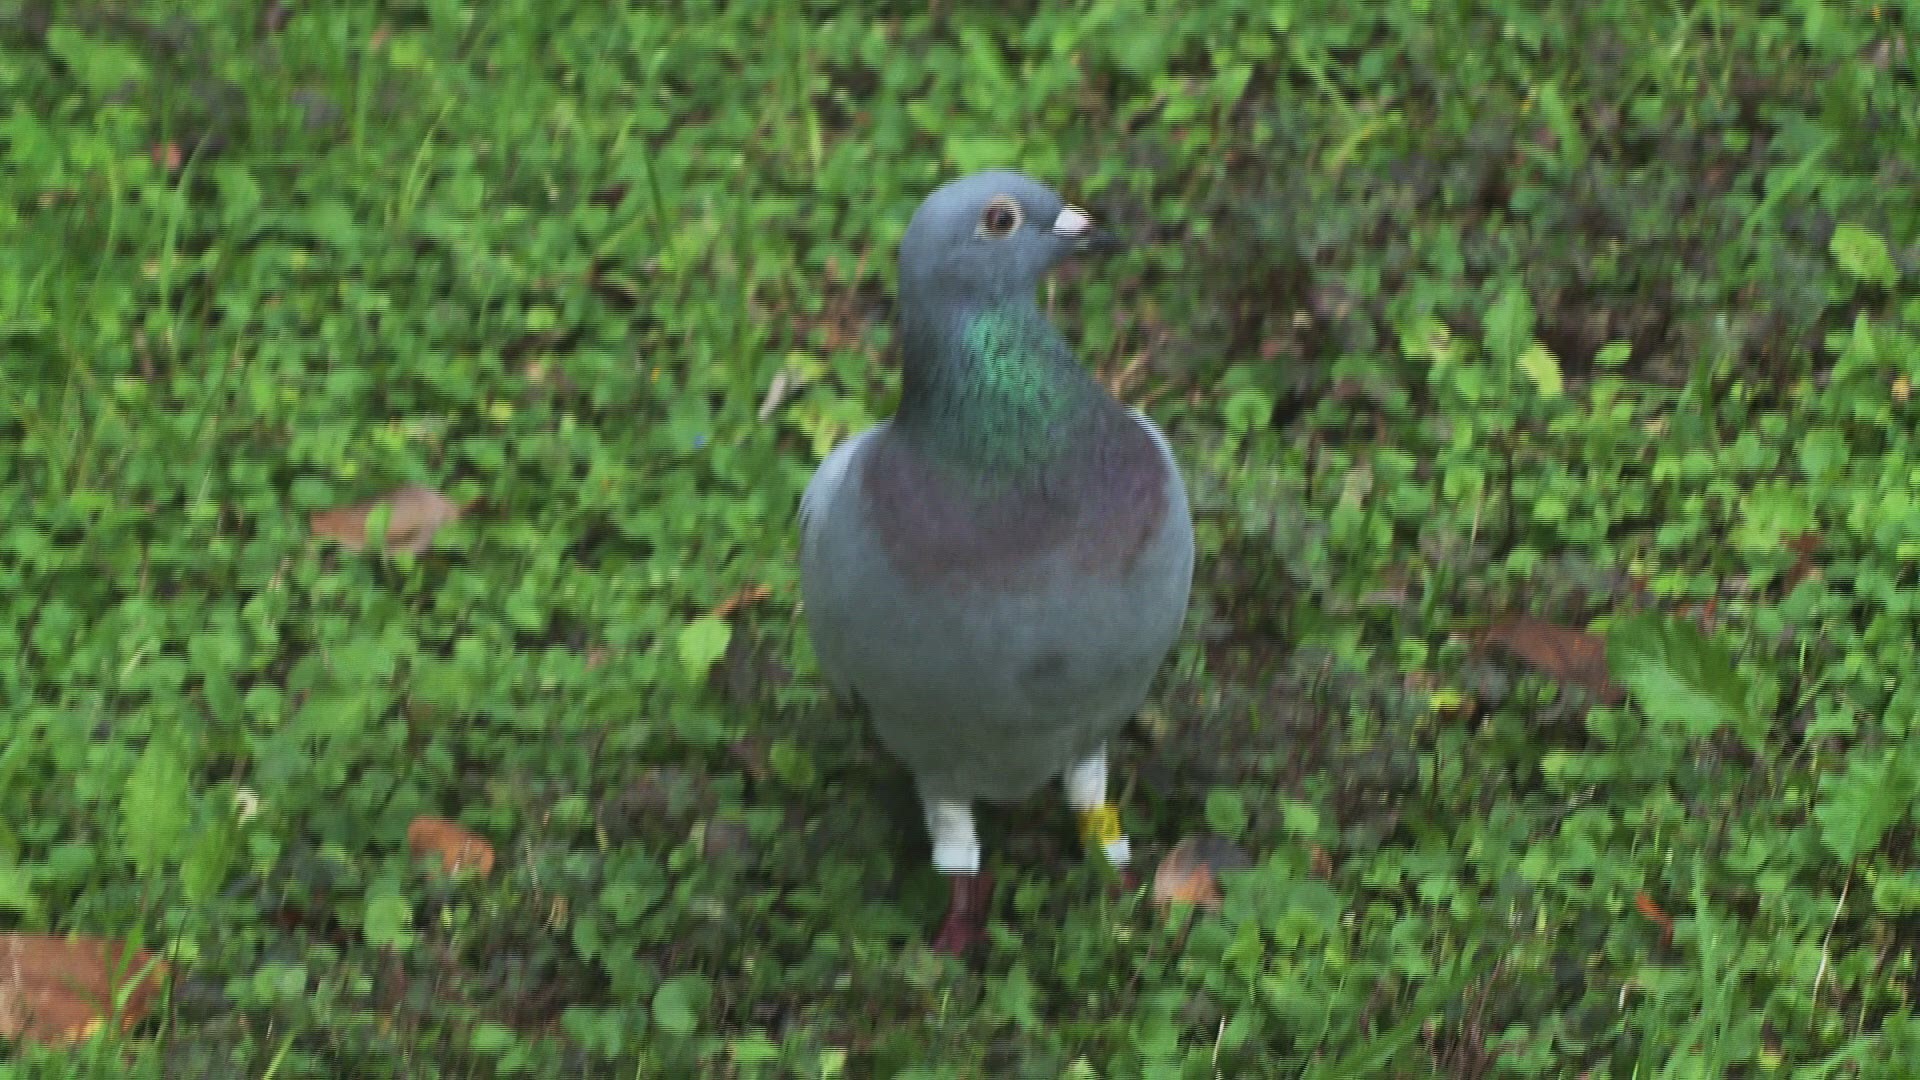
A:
1072,222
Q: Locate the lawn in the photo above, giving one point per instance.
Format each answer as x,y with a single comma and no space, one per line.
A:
1541,374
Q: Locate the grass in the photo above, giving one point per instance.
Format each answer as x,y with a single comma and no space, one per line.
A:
1454,312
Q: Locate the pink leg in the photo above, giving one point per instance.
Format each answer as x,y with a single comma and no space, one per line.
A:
966,919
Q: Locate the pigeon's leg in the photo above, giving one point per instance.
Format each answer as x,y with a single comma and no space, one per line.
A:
1086,785
956,853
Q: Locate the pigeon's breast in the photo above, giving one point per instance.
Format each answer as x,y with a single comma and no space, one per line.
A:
1099,505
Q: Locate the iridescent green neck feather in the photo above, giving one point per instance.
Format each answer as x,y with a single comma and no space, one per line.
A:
994,391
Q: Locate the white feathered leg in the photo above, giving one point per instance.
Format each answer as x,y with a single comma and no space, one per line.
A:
956,847
1086,785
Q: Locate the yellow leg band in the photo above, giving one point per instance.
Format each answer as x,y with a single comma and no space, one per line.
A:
1100,826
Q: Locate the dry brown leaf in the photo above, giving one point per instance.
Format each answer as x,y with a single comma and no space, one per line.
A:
57,991
1190,874
1566,655
1651,910
458,847
744,596
1181,880
1804,547
416,514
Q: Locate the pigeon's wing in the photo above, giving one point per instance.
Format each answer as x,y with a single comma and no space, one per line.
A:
824,489
828,493
1159,440
1166,451
1176,490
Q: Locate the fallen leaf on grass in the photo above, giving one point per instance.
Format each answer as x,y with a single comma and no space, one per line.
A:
1645,905
1804,546
415,514
1190,874
458,847
744,596
1564,654
57,991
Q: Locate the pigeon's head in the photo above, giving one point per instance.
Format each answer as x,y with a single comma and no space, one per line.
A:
990,237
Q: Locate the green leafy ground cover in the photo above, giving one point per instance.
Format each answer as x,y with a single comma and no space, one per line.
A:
1454,310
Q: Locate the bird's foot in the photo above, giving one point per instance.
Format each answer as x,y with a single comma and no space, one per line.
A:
966,919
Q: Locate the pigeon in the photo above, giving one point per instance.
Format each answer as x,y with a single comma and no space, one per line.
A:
997,572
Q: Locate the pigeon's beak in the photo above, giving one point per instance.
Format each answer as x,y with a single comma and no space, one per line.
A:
1076,227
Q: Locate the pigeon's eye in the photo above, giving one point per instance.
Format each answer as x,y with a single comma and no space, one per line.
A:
1001,217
